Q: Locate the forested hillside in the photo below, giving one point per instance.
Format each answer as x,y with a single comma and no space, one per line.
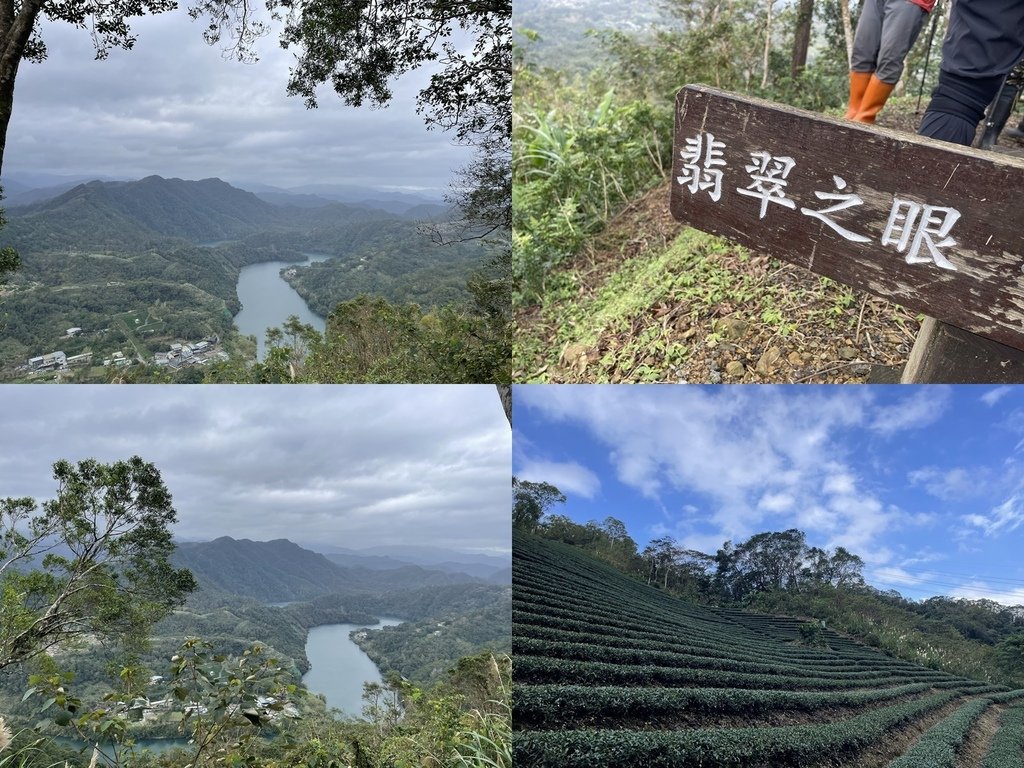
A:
609,287
610,670
167,253
281,571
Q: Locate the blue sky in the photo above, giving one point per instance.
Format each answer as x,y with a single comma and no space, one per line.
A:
926,483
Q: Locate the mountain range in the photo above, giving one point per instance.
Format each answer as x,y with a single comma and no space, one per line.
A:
281,571
27,189
170,250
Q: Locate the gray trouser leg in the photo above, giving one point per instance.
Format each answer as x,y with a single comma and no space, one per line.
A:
868,37
903,22
886,31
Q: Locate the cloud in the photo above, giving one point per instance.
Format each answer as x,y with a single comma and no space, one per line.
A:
922,407
949,484
1005,518
980,590
350,466
839,483
759,458
175,107
776,502
568,477
993,396
889,575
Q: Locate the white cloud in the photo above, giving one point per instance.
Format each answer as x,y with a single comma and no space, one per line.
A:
776,502
569,477
980,590
993,396
349,465
950,484
921,407
842,483
1005,518
889,575
753,455
175,107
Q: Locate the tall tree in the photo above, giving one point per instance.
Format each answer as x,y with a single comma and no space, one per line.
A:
802,36
531,501
92,562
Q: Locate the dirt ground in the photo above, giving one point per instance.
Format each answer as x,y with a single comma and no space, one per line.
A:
772,322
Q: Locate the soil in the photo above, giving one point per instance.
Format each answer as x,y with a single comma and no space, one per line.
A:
899,740
868,340
979,738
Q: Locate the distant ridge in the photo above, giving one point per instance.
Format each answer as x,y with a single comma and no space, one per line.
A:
282,571
208,209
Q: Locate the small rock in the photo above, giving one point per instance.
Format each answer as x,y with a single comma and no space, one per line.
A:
733,327
768,360
571,354
714,377
734,368
795,358
848,353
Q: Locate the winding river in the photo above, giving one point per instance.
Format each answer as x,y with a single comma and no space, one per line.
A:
339,667
268,301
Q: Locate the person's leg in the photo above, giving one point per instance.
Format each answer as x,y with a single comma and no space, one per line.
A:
900,28
984,41
864,55
903,23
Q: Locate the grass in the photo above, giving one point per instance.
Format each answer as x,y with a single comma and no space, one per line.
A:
651,301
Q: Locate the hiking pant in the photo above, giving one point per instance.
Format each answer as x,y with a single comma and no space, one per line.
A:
984,41
885,34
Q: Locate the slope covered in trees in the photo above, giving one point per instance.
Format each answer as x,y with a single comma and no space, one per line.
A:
612,671
105,249
281,571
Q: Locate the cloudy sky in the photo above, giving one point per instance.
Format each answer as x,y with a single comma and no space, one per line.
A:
174,106
926,484
348,466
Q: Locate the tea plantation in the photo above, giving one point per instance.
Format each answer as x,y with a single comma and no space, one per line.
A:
611,672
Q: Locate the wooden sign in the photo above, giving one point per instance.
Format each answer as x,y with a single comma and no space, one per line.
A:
933,226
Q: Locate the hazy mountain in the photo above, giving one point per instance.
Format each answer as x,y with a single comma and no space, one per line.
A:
280,571
271,571
210,209
30,195
435,557
297,201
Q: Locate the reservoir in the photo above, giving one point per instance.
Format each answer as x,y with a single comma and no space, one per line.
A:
268,301
339,667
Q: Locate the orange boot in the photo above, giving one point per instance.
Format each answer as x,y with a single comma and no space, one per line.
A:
858,84
875,96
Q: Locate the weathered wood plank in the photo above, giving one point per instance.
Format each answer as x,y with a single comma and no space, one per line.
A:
933,226
945,354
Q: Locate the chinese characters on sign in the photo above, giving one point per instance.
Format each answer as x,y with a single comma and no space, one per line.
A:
920,232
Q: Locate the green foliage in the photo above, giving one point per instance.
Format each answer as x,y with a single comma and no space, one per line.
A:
1008,743
938,747
572,171
531,501
612,672
103,545
425,651
795,746
811,634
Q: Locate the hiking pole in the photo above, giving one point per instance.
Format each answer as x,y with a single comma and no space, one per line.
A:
927,58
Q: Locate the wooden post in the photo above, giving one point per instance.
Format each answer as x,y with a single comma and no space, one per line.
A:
933,226
945,354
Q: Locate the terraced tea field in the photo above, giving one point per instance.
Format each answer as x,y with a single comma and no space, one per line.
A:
611,672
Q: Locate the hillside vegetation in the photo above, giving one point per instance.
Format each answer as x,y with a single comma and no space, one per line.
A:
609,288
610,671
140,265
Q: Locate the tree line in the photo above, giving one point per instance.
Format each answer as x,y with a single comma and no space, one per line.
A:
773,560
